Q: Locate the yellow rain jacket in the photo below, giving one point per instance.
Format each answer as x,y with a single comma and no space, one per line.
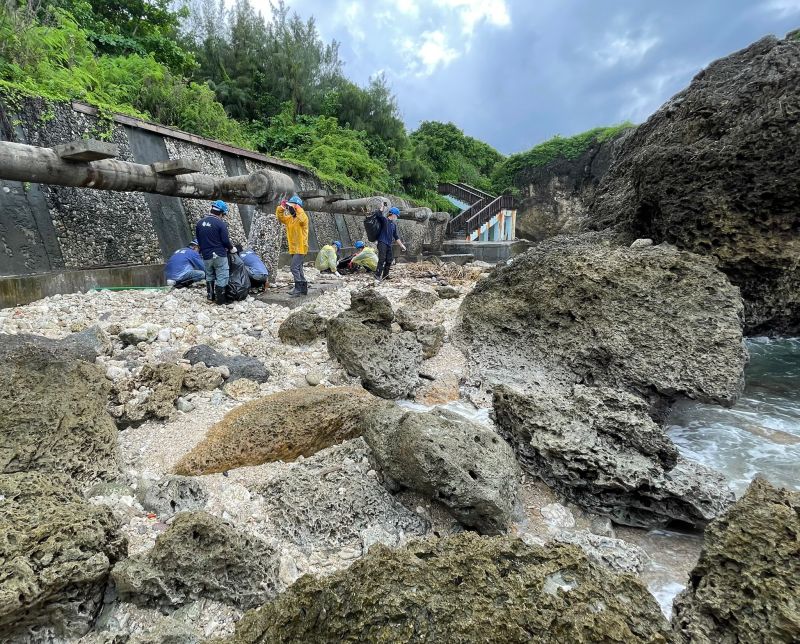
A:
326,259
296,229
367,258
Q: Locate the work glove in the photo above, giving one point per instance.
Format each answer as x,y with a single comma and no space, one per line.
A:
284,204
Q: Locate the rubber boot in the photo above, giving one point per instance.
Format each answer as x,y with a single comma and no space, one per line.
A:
302,289
219,295
295,290
210,291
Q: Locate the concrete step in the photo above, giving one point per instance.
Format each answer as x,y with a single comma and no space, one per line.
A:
458,258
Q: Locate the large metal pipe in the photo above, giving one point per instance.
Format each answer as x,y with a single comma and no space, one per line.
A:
28,163
363,206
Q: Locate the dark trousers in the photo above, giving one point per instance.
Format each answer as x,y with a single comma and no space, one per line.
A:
385,257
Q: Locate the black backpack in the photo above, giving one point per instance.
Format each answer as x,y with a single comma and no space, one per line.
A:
239,280
372,225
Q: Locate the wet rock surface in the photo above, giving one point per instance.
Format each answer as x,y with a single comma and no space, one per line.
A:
85,345
238,366
744,588
464,466
715,171
54,416
200,556
658,322
461,589
599,447
56,552
283,426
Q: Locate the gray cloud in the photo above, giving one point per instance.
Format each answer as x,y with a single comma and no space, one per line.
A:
514,72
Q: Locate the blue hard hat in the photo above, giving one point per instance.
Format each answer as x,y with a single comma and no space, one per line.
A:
394,210
296,200
338,244
219,205
193,243
359,244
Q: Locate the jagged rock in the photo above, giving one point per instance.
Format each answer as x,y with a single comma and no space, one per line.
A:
387,363
616,554
465,466
447,292
54,416
555,196
201,378
462,589
420,300
408,318
430,338
303,326
56,552
716,171
279,427
601,450
744,587
660,322
329,500
242,389
370,306
200,556
239,366
145,333
152,394
173,494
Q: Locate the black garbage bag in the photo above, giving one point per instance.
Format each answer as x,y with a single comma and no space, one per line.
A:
239,280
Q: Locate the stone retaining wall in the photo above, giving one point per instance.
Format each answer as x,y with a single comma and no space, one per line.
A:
52,229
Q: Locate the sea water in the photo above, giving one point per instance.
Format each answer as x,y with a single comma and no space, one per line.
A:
760,434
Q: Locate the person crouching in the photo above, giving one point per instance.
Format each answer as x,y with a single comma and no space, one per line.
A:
185,267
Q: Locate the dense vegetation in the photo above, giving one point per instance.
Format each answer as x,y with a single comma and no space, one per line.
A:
505,173
268,85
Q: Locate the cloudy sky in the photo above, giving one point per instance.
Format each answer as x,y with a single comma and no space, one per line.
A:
516,72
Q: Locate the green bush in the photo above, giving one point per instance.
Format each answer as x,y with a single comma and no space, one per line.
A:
506,173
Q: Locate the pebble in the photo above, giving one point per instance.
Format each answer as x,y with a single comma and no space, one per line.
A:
313,378
184,405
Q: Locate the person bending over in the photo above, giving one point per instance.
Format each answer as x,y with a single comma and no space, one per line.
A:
185,267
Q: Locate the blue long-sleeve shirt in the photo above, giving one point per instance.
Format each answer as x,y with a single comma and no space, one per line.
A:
212,235
253,263
388,233
182,261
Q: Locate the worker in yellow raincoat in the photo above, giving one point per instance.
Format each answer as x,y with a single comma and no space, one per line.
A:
291,214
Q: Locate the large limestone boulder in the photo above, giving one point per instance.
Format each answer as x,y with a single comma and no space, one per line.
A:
745,585
200,556
333,500
465,466
716,171
280,427
54,416
656,321
172,494
462,589
599,448
151,394
361,339
56,552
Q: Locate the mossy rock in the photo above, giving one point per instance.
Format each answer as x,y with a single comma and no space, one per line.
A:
462,589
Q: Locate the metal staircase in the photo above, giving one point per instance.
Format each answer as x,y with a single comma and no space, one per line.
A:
483,218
